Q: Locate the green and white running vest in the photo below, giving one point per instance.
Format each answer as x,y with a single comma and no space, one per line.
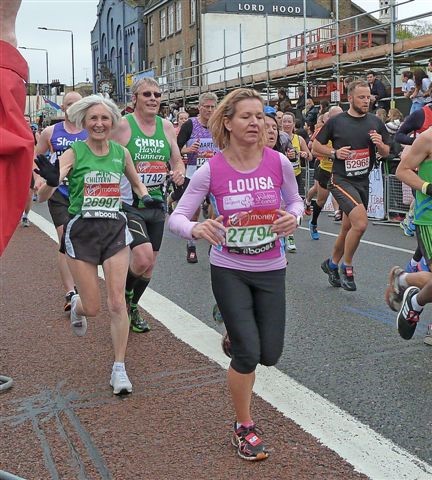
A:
94,181
150,156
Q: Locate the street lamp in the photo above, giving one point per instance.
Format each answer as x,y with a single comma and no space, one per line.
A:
46,59
72,40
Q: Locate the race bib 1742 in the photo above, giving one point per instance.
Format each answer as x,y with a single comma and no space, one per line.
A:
152,174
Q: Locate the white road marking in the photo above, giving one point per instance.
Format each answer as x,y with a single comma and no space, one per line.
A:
368,452
366,242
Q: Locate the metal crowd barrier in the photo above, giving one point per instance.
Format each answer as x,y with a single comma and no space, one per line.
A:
397,196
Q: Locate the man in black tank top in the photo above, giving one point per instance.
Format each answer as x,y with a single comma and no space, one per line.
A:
357,138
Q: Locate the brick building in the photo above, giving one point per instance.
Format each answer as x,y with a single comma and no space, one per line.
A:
182,34
193,43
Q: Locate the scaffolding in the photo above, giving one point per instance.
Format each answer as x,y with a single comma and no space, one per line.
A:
317,58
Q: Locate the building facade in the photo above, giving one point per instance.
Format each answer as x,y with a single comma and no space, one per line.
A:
118,45
189,44
203,42
173,41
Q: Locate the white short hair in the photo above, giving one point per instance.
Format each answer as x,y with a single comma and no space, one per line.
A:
77,112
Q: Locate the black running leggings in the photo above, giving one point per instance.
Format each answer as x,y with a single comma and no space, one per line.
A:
252,305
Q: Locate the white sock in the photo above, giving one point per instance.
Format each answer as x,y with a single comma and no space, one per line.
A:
417,307
118,366
413,263
402,280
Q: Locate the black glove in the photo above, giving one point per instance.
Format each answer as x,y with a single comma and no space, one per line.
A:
47,170
150,202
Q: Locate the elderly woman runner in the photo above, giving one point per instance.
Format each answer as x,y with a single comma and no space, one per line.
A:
97,233
247,183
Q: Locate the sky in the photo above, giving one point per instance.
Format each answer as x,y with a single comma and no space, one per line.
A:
80,17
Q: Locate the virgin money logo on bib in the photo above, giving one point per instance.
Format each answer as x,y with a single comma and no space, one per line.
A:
102,190
151,167
252,217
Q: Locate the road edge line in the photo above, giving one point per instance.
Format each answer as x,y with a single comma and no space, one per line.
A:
366,450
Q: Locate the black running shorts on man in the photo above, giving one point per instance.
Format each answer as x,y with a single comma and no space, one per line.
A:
146,225
349,193
322,177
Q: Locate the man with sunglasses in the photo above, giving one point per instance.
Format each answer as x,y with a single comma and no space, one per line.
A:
152,143
195,140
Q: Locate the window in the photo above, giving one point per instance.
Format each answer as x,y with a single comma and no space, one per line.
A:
163,23
171,19
192,11
151,29
194,68
132,58
104,43
178,16
163,66
112,28
179,68
171,72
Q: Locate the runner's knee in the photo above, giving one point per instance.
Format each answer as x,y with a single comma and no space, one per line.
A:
246,362
90,309
271,357
116,304
142,259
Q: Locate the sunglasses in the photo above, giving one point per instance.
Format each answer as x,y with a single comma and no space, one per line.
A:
149,94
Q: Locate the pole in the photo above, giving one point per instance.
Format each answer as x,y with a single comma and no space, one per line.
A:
47,74
305,53
267,59
393,41
337,72
125,86
224,60
241,56
72,44
73,62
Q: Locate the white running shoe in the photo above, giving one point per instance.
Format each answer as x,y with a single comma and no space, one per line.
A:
120,382
290,244
78,322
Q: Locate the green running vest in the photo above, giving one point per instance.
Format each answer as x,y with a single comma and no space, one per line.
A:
94,181
150,156
423,203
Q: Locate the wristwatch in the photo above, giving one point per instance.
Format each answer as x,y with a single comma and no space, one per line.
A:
333,154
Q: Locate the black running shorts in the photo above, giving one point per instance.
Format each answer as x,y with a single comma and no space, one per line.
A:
94,240
349,193
424,239
58,207
146,225
323,178
315,169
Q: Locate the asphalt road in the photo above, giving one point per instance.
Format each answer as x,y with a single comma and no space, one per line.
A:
342,345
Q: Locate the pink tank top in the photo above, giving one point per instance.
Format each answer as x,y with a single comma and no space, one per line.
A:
248,203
